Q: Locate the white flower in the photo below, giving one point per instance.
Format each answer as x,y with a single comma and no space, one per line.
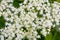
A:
44,32
25,1
26,18
38,36
9,0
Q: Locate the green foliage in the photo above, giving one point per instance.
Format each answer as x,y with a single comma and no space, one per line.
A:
16,3
52,1
39,31
2,22
0,1
49,37
57,36
20,1
57,27
58,0
53,35
25,38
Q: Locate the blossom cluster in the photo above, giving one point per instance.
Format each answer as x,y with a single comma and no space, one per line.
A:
31,19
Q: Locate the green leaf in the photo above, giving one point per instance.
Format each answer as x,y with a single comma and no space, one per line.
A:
0,1
53,35
57,37
16,4
2,22
58,0
49,37
25,38
52,1
20,1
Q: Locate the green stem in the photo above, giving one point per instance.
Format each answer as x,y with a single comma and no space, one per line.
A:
54,35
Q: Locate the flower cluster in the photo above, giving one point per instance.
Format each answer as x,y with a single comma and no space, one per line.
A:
30,20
